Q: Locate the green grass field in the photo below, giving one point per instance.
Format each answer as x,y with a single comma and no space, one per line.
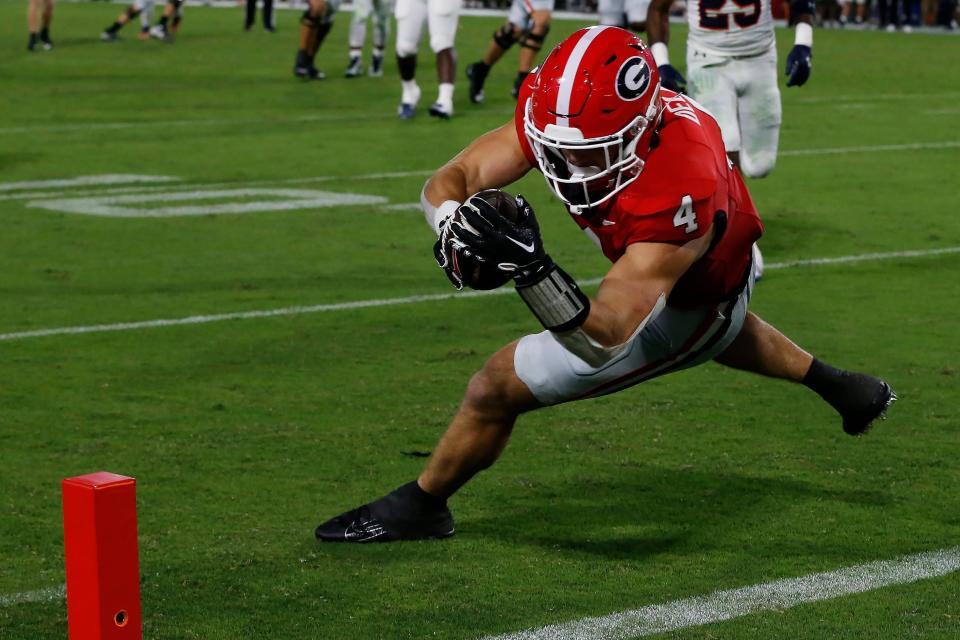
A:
244,434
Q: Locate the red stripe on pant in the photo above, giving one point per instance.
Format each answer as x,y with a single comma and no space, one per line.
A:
694,338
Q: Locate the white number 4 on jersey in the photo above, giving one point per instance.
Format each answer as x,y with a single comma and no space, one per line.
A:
685,215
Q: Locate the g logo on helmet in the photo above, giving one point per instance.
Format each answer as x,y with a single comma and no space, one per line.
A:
633,78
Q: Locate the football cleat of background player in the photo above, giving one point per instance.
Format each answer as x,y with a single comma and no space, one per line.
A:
354,67
376,66
408,102
406,513
441,111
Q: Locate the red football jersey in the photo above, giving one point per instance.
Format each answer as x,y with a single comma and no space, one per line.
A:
686,186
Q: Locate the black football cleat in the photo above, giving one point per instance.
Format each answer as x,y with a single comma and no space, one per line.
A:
407,513
868,401
477,74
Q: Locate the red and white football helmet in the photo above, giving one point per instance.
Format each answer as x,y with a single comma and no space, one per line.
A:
594,107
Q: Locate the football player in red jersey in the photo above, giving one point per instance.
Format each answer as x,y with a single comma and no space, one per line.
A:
643,171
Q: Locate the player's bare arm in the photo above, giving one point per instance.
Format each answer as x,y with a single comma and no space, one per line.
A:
658,21
635,286
658,28
493,160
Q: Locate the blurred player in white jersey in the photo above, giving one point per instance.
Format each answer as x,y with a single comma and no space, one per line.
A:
381,10
627,14
732,67
142,8
315,24
528,24
441,17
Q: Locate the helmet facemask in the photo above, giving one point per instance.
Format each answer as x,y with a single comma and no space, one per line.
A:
586,172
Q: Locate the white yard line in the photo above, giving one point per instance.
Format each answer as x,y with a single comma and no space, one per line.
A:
50,594
85,181
700,610
89,181
947,144
735,603
385,302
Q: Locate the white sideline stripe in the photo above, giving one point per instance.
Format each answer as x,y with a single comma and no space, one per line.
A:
175,188
949,144
49,594
270,200
84,181
9,186
385,302
735,603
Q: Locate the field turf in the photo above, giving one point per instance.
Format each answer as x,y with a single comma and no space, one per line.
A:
244,434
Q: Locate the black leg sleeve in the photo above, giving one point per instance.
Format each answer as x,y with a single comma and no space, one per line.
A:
268,14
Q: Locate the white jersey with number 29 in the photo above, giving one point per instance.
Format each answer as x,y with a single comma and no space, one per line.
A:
730,27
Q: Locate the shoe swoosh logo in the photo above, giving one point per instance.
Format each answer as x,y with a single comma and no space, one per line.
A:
364,531
526,247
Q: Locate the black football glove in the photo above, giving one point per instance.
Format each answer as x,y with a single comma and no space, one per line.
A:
671,79
514,247
450,253
799,63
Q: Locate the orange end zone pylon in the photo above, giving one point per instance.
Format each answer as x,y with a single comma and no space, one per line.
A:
100,547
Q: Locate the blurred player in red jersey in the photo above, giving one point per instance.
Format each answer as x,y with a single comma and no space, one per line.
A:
644,172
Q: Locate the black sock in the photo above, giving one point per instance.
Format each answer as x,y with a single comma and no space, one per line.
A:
163,21
481,68
322,32
825,381
116,26
34,37
412,491
45,34
408,67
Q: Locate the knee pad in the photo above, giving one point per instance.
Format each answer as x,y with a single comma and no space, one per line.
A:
405,48
504,36
531,40
310,20
758,166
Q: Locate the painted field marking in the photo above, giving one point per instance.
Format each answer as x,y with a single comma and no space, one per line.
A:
173,188
264,200
948,144
432,297
718,606
736,603
877,97
85,181
387,175
51,594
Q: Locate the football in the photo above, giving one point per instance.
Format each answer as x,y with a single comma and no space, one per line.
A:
484,276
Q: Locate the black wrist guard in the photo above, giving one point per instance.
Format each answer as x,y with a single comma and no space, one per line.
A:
552,295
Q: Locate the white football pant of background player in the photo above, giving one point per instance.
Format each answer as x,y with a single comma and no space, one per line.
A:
732,70
362,9
742,94
630,14
441,17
